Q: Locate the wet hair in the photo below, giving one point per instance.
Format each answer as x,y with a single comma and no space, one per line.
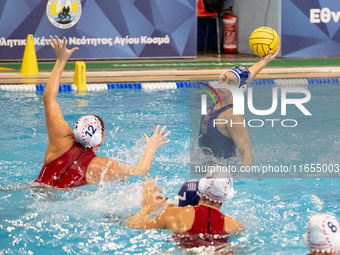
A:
101,121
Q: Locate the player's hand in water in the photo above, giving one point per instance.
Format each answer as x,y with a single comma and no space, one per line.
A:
157,139
59,47
151,196
270,56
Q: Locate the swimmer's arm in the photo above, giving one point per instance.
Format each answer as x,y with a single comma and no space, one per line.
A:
55,123
107,169
232,226
176,219
113,170
142,219
255,69
153,143
152,201
239,133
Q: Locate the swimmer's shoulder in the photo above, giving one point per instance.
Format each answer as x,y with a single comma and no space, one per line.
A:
229,114
179,219
103,161
171,208
232,226
58,148
179,213
229,117
97,166
100,163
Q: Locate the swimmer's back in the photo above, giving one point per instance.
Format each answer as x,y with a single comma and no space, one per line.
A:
68,170
208,220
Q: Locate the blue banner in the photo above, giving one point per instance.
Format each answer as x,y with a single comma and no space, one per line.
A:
310,28
100,28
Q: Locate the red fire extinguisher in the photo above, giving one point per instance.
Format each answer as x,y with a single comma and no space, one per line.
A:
230,33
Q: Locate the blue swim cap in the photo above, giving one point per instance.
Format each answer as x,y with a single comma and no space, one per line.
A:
189,194
242,75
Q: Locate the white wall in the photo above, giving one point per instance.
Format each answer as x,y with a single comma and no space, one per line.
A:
253,14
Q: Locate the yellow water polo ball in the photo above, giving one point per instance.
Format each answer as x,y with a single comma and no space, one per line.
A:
262,39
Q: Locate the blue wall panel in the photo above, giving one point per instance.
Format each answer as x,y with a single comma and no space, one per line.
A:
310,28
105,28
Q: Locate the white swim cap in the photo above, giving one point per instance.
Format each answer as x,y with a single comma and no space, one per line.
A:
88,131
216,187
323,234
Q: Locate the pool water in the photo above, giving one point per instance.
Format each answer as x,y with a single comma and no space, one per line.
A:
91,219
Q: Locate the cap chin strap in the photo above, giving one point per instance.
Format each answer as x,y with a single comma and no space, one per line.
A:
244,88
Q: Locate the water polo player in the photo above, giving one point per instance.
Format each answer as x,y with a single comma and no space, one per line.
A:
323,235
191,221
70,158
221,141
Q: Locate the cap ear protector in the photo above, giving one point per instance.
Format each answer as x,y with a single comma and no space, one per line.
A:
244,88
96,138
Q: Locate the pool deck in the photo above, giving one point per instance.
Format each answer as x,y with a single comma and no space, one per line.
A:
205,67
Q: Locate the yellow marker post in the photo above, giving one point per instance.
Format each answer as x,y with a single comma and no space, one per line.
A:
29,65
79,78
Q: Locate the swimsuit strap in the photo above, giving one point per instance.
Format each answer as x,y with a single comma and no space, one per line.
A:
227,107
222,109
209,220
61,176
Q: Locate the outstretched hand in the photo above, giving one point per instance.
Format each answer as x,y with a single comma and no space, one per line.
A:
153,143
59,47
270,55
151,195
157,139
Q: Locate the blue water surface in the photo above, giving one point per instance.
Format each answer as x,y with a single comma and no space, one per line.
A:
92,219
